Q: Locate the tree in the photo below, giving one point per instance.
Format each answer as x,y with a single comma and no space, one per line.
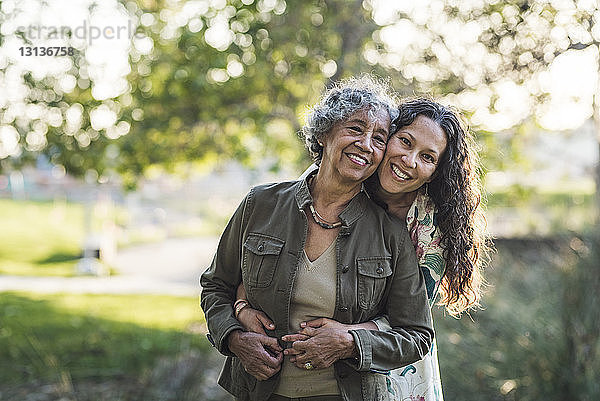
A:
468,47
208,81
233,81
48,100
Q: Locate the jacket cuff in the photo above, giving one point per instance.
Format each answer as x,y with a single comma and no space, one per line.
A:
365,349
382,323
225,330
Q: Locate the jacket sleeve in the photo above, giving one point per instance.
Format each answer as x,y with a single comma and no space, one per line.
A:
220,281
407,309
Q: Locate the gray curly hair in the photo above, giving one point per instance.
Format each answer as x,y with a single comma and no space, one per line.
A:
339,102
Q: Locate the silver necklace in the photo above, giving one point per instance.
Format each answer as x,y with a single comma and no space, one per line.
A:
321,221
317,217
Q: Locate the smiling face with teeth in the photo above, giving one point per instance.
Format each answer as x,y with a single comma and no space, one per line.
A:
412,155
354,147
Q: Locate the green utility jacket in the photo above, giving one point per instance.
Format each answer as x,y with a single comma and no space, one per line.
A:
377,274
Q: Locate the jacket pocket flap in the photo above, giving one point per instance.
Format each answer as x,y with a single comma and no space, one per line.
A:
262,245
377,268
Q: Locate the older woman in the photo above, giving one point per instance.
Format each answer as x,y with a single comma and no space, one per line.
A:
428,178
319,247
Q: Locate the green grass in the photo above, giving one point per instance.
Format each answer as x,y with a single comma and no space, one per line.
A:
517,348
39,238
77,338
45,238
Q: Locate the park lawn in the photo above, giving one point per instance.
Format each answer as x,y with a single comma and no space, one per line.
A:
517,347
74,338
40,238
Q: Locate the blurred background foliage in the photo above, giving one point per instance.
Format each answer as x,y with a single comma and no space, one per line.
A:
202,83
526,343
219,80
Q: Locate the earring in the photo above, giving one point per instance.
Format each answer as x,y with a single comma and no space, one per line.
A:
427,189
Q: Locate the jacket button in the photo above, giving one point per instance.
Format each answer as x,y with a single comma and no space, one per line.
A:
379,270
261,247
345,269
343,309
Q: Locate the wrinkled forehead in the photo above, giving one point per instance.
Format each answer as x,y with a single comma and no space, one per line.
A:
373,113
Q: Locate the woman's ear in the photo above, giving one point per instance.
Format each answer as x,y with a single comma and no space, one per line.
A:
320,140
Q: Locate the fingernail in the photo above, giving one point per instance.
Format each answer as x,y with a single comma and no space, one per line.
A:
303,324
271,325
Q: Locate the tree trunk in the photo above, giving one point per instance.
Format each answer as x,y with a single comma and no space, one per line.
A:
352,28
596,106
582,316
596,116
597,178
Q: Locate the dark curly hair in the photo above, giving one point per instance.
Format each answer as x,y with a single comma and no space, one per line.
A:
339,102
456,192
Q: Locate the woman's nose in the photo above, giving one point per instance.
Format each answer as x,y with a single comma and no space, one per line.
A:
410,160
365,143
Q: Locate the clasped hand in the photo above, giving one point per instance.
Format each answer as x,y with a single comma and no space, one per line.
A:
260,355
321,342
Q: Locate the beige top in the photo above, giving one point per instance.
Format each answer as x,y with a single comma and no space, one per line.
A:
313,296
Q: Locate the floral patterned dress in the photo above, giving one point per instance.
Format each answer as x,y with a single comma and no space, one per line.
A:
420,381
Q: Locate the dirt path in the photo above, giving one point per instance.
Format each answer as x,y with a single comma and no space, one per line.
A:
169,267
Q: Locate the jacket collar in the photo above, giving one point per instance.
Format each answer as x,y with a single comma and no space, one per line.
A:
349,215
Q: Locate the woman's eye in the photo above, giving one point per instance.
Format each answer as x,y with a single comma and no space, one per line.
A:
355,129
429,158
381,139
406,141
